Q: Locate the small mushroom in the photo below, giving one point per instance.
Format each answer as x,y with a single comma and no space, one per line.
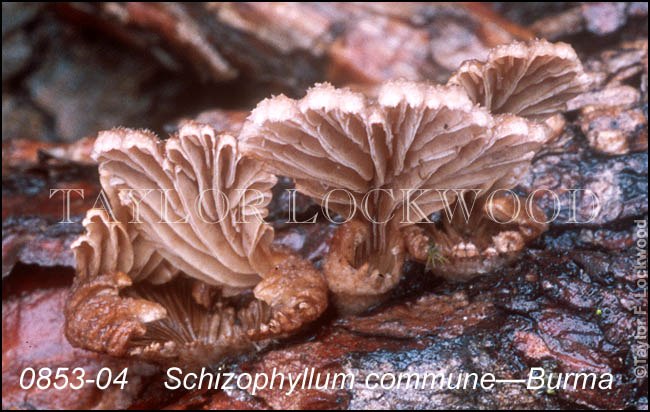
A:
187,194
533,80
527,87
493,236
108,246
187,272
104,254
383,159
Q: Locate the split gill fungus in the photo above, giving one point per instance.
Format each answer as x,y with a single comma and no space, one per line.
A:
179,283
534,80
389,161
182,268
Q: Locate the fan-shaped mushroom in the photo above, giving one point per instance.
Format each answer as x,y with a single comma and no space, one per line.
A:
533,80
384,158
191,207
104,254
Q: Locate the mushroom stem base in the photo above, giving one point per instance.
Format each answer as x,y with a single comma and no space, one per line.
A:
357,286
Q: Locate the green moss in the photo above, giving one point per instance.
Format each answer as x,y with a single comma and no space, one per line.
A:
434,257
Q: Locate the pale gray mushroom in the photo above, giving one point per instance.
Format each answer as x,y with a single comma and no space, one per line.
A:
175,181
108,246
533,80
222,288
414,136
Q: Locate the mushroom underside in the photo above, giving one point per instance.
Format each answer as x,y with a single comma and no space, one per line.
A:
461,248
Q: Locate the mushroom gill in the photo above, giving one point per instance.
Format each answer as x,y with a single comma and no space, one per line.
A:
187,194
533,80
390,160
187,272
493,235
495,228
518,82
104,254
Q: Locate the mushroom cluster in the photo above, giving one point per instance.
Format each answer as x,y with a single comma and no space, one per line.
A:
389,161
181,266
